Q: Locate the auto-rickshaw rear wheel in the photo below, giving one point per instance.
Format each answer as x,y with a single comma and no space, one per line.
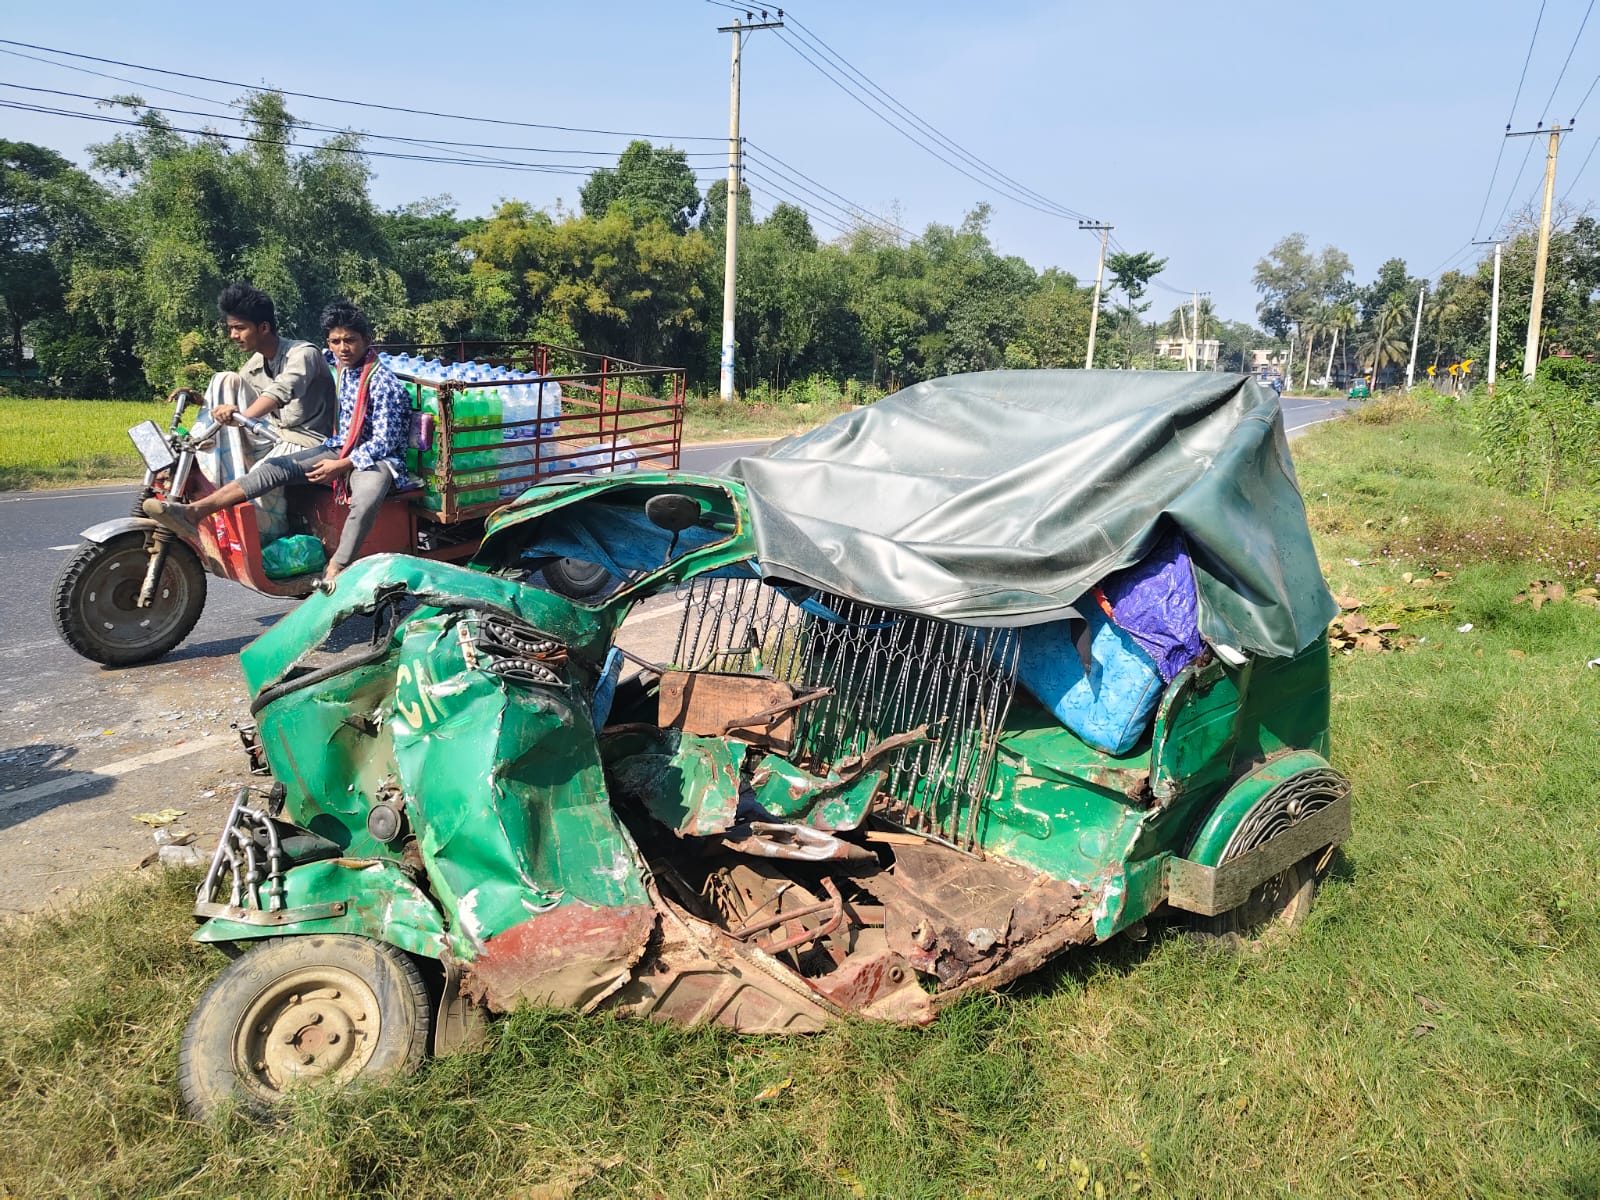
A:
294,1011
97,608
1282,902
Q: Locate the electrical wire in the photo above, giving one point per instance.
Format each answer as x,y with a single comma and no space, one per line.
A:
316,128
579,169
1581,168
1512,195
848,90
1526,59
396,108
953,146
1566,63
794,175
1510,116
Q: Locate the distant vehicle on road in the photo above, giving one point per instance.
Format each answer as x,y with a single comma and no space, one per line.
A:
1360,391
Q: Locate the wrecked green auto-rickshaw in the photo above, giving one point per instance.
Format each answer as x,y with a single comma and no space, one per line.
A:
908,740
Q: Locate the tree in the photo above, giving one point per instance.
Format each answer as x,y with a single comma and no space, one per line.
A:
192,215
35,194
648,183
1130,273
1055,324
1295,284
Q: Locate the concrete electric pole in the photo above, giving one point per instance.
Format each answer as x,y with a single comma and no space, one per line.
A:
1099,274
731,242
1530,356
1416,333
1494,314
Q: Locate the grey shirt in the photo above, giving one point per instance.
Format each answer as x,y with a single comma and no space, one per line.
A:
297,377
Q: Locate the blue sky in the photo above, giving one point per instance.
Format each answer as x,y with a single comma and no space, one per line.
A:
1203,132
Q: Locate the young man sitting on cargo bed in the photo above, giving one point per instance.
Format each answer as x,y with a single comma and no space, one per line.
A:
361,461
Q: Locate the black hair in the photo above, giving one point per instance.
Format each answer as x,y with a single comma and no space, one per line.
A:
246,303
341,314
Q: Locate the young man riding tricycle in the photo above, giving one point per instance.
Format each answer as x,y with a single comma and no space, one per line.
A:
137,585
995,668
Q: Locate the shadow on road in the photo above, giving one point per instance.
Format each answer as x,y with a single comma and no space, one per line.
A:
27,767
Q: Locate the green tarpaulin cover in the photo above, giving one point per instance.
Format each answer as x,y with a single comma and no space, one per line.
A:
1000,497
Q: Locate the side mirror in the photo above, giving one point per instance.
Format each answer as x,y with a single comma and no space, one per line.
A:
672,511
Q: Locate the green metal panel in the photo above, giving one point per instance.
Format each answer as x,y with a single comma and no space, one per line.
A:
501,780
1211,838
381,902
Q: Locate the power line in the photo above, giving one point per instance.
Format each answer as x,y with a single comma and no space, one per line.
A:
1526,59
1510,116
1580,170
1512,195
956,148
840,219
907,134
795,175
330,147
1568,61
316,128
415,112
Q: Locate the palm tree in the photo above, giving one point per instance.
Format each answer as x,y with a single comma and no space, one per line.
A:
1390,344
1339,318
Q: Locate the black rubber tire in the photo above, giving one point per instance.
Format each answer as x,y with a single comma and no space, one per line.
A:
1280,903
292,1011
96,597
578,580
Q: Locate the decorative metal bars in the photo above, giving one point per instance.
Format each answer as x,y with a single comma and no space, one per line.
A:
886,673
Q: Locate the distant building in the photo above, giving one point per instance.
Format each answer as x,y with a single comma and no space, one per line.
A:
1182,348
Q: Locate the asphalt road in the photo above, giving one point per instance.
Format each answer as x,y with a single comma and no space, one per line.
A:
83,748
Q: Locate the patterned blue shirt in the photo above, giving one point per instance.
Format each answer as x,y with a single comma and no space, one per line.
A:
386,430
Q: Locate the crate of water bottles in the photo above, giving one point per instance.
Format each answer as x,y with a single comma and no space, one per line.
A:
490,430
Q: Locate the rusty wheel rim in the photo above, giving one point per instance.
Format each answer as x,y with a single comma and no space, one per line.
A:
317,1023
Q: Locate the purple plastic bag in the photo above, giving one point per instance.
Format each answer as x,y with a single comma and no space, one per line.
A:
1155,601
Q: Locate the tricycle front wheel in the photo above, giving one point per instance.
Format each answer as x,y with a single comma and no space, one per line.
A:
300,1010
97,608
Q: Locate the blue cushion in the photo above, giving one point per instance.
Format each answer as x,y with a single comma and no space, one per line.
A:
1110,706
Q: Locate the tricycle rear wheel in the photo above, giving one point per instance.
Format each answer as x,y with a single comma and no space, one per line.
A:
1282,902
97,608
300,1010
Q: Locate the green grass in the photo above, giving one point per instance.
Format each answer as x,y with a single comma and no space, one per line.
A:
1433,1030
55,443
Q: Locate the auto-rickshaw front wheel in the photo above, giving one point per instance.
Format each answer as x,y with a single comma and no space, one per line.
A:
97,608
295,1011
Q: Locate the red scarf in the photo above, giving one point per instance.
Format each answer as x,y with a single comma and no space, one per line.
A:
358,419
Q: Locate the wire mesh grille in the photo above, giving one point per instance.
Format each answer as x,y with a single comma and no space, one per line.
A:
886,673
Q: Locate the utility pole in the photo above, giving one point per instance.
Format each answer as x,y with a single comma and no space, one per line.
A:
1530,356
1416,333
731,242
1099,274
1494,314
1194,359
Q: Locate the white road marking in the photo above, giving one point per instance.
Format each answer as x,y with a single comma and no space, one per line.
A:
1309,424
58,494
68,546
74,779
674,612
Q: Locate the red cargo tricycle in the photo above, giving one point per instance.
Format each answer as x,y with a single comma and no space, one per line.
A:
133,590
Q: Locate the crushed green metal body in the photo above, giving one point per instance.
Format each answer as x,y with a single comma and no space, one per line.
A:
813,807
